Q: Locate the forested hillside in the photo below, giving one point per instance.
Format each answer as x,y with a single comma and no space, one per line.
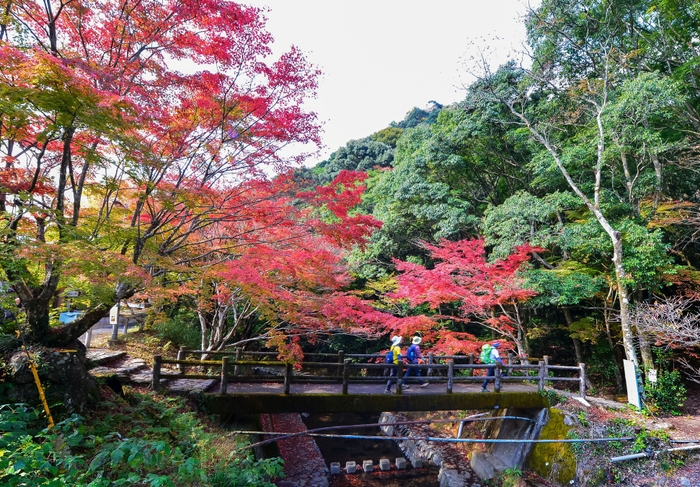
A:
588,155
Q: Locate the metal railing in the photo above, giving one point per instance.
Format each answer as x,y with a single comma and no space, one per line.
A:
346,369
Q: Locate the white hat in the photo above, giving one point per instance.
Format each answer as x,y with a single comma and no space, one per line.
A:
417,340
396,340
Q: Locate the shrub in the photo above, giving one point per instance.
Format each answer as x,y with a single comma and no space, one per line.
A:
149,442
182,329
668,393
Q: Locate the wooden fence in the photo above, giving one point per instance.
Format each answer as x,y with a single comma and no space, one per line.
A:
353,368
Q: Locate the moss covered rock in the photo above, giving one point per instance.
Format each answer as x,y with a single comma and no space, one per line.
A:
555,461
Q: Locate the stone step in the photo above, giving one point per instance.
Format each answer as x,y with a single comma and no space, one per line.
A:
188,385
101,356
123,371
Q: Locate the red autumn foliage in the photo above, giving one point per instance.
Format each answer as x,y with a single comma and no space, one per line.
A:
141,128
463,276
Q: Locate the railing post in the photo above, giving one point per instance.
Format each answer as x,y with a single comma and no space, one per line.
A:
399,377
582,379
540,376
224,375
470,372
431,361
510,365
156,372
287,377
450,374
182,355
341,360
497,379
546,367
346,376
237,368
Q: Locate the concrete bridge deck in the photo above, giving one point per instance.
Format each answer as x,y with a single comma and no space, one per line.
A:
269,398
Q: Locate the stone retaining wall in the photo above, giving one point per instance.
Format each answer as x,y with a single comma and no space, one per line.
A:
303,464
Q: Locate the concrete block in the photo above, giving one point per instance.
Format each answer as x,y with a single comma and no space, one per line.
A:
384,464
481,465
367,465
400,463
350,467
417,461
335,468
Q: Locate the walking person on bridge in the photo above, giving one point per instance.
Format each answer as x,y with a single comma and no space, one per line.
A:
413,355
395,352
489,355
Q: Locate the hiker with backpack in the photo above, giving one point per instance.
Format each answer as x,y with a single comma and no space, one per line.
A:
392,357
413,356
489,355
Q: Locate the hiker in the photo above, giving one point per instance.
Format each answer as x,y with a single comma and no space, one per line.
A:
413,356
489,355
393,357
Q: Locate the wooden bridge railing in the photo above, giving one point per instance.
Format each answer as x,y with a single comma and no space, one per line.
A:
348,371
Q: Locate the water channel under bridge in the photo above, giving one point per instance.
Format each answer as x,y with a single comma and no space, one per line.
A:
249,383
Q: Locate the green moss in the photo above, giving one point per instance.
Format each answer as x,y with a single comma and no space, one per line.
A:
555,461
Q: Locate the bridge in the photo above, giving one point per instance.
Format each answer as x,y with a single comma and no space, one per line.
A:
255,382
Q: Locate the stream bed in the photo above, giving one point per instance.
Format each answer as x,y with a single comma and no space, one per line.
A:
342,450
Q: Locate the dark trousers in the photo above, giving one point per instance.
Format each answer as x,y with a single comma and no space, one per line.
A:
392,373
490,373
415,371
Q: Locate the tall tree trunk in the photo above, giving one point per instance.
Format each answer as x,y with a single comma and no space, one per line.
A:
593,205
620,277
608,334
577,342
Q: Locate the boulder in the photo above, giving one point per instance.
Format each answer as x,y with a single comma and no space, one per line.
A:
62,373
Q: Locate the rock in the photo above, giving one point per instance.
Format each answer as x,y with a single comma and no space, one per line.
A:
102,356
63,376
663,426
685,482
190,385
481,466
582,401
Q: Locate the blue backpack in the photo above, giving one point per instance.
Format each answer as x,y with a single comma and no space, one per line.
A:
390,355
411,353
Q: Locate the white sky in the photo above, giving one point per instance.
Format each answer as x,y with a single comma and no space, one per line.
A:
381,58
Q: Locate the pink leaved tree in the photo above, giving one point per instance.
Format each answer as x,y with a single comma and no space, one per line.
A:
483,291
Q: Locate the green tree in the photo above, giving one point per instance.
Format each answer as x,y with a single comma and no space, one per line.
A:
578,74
388,136
357,155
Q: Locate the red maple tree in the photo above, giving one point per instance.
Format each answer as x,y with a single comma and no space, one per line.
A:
127,129
482,290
